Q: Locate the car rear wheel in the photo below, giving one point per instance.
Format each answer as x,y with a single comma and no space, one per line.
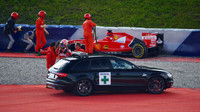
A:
139,50
156,85
83,87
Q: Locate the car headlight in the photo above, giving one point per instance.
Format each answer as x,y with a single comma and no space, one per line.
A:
169,75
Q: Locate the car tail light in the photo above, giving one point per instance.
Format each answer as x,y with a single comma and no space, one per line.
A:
61,74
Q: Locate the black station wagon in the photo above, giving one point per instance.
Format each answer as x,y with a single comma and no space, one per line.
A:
83,74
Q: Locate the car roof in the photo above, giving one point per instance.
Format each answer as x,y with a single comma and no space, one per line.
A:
89,57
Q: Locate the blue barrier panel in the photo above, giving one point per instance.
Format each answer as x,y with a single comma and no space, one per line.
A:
56,32
190,46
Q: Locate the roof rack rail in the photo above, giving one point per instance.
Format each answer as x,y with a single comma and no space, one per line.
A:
79,54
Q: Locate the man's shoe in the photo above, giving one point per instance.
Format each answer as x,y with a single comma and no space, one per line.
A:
26,51
9,50
37,54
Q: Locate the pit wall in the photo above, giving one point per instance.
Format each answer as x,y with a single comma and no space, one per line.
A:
183,42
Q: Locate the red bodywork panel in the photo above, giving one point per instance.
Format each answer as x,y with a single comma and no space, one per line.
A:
119,42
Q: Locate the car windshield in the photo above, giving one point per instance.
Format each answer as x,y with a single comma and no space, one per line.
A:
60,64
133,64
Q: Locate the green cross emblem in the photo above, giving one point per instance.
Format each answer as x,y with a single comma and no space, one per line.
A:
104,79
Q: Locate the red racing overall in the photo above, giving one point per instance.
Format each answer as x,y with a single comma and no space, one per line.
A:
79,49
51,57
40,37
88,38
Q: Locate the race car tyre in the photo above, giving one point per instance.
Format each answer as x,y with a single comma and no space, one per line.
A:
139,50
156,85
83,87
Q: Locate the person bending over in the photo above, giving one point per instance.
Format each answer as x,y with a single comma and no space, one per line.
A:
51,55
28,38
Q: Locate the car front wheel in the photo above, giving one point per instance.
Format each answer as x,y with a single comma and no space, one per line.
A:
156,85
83,87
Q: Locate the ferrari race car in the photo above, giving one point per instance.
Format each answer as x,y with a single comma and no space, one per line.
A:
123,43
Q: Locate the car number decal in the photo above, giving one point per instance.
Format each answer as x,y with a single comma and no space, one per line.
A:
104,78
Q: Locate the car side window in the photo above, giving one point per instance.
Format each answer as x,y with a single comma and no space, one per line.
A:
81,66
100,64
120,64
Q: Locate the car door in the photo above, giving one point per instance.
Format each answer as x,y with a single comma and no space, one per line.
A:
104,77
127,75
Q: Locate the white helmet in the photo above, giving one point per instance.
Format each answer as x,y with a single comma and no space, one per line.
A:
64,42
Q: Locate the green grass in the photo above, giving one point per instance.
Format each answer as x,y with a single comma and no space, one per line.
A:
119,13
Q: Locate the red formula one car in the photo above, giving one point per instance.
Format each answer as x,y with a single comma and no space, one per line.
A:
123,43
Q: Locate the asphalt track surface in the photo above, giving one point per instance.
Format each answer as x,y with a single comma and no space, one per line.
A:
22,89
32,69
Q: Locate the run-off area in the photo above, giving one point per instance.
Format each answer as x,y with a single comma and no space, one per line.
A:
28,71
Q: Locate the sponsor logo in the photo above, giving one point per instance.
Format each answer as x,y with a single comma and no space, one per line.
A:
105,47
115,37
149,37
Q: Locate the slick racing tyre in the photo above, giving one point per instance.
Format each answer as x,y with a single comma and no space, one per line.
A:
139,50
83,87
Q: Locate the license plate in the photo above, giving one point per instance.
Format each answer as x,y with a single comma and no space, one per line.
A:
52,76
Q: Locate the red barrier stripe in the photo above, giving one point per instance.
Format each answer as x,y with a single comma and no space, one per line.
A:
21,55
